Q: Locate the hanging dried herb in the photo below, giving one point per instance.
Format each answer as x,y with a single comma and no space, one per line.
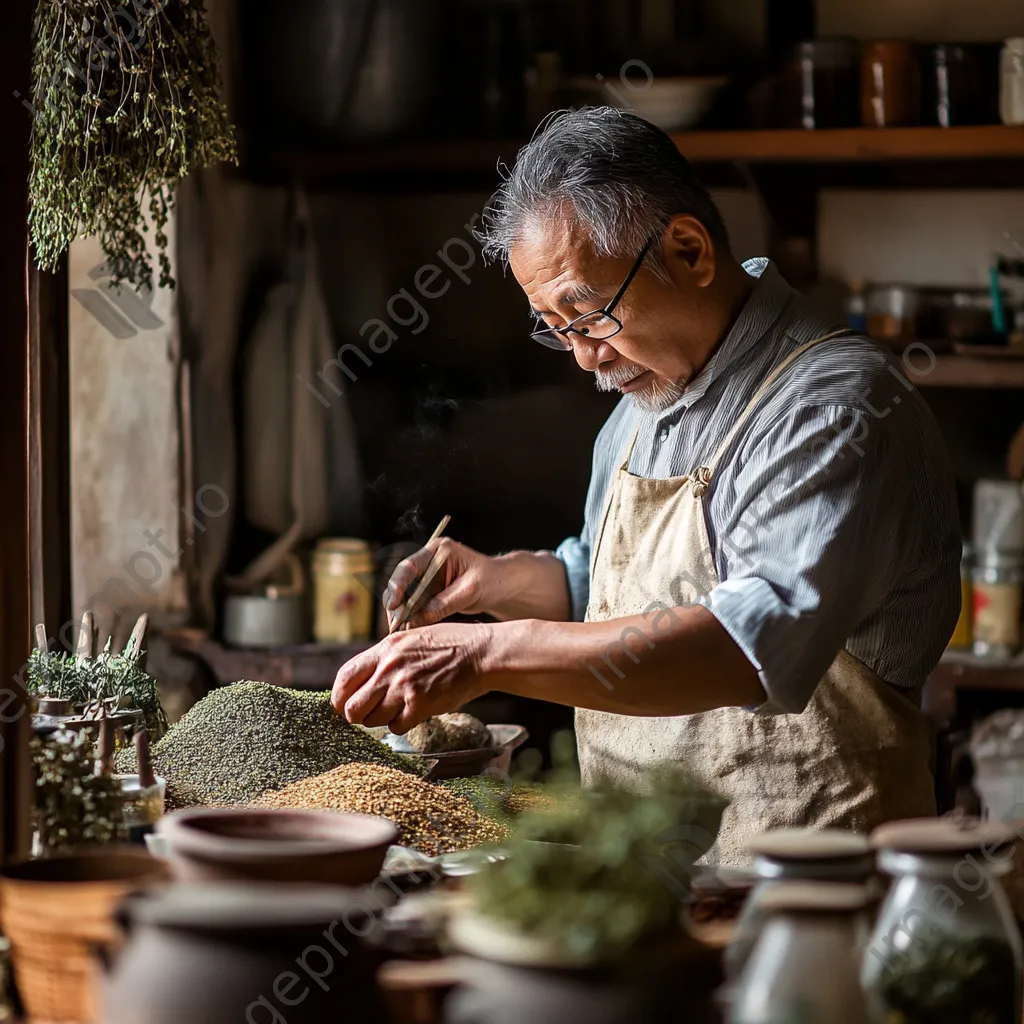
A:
126,101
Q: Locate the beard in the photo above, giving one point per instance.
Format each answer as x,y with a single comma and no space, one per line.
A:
657,395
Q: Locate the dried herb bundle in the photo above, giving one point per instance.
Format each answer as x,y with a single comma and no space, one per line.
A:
73,807
126,101
53,674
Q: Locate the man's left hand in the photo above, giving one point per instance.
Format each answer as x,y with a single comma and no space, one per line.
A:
412,675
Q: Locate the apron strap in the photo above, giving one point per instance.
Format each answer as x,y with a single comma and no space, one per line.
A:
703,473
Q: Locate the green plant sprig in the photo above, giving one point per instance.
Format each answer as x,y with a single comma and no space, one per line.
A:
120,114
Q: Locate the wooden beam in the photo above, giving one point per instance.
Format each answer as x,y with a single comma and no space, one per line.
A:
49,440
15,596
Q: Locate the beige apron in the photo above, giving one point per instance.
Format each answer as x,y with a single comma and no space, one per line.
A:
858,755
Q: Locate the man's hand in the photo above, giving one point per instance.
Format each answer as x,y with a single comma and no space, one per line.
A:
408,677
519,585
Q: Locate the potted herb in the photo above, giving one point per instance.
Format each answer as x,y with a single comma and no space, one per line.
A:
126,101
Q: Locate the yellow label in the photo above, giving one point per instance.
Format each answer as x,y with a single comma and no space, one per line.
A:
997,613
343,608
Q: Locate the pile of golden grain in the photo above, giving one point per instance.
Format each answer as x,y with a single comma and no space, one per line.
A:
429,818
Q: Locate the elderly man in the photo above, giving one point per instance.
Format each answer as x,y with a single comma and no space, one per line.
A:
768,568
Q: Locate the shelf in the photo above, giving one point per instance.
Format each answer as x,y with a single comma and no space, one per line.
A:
865,147
951,371
854,145
966,672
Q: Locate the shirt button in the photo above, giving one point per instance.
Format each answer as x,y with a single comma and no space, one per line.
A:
663,433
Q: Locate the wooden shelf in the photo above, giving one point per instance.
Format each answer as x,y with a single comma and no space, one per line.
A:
953,371
475,158
855,145
966,672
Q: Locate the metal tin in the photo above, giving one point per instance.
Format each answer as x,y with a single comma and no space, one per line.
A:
997,605
262,620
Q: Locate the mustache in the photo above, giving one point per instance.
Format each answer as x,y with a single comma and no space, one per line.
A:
612,380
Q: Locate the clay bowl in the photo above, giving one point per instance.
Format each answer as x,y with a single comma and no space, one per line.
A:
256,844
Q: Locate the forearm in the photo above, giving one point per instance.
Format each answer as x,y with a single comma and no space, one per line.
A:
677,661
528,585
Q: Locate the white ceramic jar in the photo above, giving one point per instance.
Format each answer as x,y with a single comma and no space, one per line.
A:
1011,89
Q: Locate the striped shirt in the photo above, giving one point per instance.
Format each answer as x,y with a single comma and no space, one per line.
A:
832,518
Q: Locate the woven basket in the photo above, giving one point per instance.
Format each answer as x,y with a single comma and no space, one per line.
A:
56,914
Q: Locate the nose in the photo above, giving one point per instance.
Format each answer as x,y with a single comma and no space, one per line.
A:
592,354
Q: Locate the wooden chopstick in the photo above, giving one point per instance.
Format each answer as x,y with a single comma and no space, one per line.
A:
432,570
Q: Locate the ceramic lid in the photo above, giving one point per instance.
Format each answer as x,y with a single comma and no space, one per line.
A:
229,906
809,844
815,896
940,835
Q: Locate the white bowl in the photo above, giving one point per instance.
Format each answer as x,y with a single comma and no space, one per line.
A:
671,103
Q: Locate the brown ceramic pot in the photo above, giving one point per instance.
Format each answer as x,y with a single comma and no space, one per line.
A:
255,844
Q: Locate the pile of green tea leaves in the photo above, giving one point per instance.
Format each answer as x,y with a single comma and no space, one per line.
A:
58,674
603,870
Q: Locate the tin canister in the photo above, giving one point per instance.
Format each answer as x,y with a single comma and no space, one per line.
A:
963,635
342,590
997,604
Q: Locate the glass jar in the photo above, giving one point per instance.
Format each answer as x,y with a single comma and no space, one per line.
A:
996,599
818,85
888,84
892,313
1011,82
789,855
962,635
945,949
960,84
805,967
343,589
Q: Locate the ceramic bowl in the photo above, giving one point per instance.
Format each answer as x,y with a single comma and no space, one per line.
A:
257,844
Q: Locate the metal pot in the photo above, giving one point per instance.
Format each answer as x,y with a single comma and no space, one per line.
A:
275,616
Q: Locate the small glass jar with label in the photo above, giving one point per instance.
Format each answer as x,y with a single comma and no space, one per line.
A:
996,585
343,590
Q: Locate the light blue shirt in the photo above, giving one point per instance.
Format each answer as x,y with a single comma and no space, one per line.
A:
832,518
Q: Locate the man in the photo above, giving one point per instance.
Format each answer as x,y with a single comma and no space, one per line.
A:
768,568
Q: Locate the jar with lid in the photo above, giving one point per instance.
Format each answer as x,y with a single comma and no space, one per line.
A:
1011,82
343,587
805,966
796,855
946,948
962,634
996,598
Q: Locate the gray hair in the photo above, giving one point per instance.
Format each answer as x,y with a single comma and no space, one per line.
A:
606,171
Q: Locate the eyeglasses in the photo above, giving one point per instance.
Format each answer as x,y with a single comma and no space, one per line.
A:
599,324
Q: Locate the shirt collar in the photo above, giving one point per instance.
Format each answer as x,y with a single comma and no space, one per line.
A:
769,297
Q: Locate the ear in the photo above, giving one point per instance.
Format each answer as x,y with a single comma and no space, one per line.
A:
688,250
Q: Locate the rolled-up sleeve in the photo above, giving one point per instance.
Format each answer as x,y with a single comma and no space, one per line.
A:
809,543
575,556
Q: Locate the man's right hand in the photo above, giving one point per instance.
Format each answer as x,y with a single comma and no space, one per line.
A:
522,584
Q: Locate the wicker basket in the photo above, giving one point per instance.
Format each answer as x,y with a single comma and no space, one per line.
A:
56,913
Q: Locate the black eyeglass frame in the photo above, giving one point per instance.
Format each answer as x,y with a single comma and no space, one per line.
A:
549,337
